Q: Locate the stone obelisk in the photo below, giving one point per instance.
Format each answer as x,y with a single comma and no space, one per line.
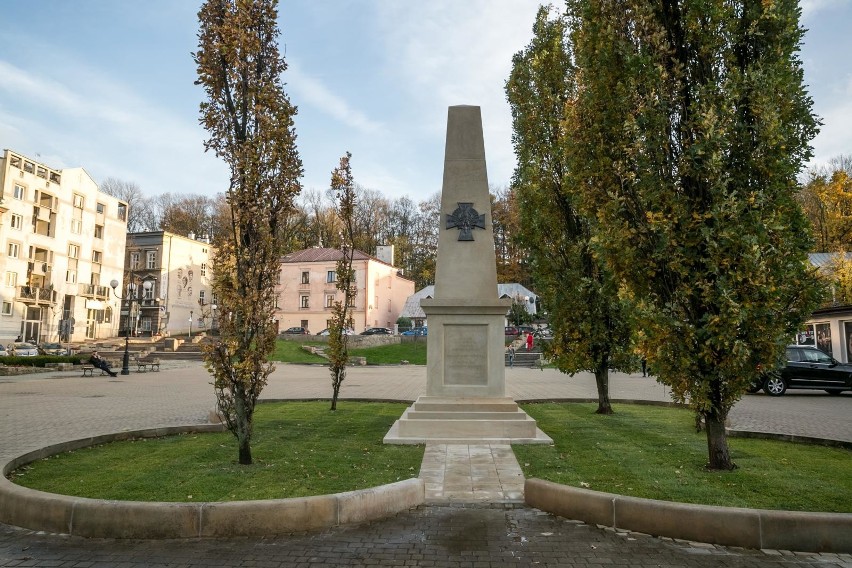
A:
465,399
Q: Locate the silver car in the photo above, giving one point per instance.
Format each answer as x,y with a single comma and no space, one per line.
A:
23,349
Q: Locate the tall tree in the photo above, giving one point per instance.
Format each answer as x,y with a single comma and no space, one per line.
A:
343,186
827,201
139,216
250,122
512,261
187,214
690,126
589,320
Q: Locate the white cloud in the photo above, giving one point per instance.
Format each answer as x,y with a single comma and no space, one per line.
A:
448,53
101,125
811,7
311,91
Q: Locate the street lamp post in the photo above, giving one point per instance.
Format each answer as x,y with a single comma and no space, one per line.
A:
130,297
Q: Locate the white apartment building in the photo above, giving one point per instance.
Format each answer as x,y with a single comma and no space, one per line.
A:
169,279
63,242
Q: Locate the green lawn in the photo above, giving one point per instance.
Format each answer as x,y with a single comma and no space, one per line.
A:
413,352
292,352
299,449
654,452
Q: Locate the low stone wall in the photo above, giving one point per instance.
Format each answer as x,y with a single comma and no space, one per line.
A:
728,526
97,518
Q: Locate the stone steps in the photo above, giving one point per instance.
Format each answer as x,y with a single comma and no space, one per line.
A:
465,421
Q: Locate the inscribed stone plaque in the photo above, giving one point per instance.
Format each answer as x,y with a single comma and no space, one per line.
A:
465,355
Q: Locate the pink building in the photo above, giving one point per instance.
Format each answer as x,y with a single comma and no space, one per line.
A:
306,290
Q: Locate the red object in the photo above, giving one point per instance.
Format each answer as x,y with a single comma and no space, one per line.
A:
529,341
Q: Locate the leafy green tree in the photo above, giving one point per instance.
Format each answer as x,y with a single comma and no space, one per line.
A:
341,312
250,124
687,133
827,201
589,320
518,313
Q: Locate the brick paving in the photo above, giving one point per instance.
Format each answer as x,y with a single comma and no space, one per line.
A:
39,410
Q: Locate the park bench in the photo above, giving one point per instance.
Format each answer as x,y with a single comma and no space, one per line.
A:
145,363
88,369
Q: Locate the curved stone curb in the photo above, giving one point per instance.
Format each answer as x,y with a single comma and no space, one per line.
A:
728,526
96,518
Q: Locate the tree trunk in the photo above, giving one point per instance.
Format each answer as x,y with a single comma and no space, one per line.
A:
243,427
336,390
602,382
336,382
245,451
717,442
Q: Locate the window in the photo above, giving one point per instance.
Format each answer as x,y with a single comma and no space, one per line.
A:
99,231
17,222
122,211
306,277
19,192
6,310
148,293
305,302
11,279
100,208
329,300
97,256
201,297
151,256
79,201
76,226
204,269
73,251
71,276
134,260
331,276
13,250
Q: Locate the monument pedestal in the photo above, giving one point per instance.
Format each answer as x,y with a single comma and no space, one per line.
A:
465,400
433,419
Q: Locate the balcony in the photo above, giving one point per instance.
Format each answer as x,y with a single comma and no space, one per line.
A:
38,267
93,291
34,296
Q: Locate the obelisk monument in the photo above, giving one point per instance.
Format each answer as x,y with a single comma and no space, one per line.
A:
465,399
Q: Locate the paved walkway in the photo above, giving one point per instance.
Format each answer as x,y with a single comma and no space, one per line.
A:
491,529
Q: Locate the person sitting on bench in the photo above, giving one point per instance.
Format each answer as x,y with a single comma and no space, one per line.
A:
101,363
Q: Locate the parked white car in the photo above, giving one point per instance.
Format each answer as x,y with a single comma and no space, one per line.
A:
23,349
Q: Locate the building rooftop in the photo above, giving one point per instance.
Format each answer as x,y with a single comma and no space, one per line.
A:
322,255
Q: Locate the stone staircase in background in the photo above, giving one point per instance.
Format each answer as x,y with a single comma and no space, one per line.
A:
524,358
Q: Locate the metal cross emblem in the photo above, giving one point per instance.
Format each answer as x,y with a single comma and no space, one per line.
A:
465,218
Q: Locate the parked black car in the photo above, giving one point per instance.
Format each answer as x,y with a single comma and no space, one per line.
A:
296,331
377,331
807,368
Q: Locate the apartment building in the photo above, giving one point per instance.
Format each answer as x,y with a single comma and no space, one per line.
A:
168,285
306,289
63,242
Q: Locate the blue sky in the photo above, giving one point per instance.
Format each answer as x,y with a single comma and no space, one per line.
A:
107,85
